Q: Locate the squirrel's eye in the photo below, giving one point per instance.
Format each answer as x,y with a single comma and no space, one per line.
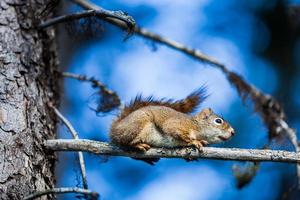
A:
218,121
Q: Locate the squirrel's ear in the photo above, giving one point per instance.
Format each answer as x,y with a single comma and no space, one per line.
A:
206,112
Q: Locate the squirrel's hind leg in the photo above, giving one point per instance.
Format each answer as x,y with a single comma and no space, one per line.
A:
145,147
144,142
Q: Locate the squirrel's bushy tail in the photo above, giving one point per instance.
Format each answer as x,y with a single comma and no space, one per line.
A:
187,105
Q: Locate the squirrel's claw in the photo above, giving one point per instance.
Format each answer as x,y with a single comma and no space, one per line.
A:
204,142
196,143
143,146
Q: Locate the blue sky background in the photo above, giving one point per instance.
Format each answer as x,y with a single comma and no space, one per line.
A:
226,30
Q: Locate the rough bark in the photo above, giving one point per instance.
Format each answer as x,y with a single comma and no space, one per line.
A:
27,84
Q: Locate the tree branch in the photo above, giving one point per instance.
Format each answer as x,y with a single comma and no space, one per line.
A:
93,195
103,148
293,138
80,154
154,37
109,99
95,82
75,136
269,109
100,13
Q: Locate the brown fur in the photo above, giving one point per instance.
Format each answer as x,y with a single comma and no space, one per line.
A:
152,123
187,105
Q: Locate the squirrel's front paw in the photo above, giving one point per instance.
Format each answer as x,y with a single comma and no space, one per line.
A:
196,143
143,146
204,142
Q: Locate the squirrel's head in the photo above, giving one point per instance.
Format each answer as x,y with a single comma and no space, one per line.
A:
217,129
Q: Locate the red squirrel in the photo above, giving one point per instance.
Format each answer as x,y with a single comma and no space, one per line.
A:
146,123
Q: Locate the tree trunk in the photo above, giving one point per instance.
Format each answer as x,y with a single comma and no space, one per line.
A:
27,83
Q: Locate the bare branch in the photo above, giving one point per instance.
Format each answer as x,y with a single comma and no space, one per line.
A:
155,37
293,138
110,99
95,82
100,13
75,136
103,148
268,107
91,194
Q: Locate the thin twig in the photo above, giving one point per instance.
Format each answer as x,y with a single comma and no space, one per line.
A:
254,92
91,194
154,37
109,99
100,13
92,80
103,148
293,138
75,136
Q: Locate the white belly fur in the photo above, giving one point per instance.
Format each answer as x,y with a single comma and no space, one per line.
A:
155,138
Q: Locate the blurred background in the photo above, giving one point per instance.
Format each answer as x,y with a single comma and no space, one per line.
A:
258,39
